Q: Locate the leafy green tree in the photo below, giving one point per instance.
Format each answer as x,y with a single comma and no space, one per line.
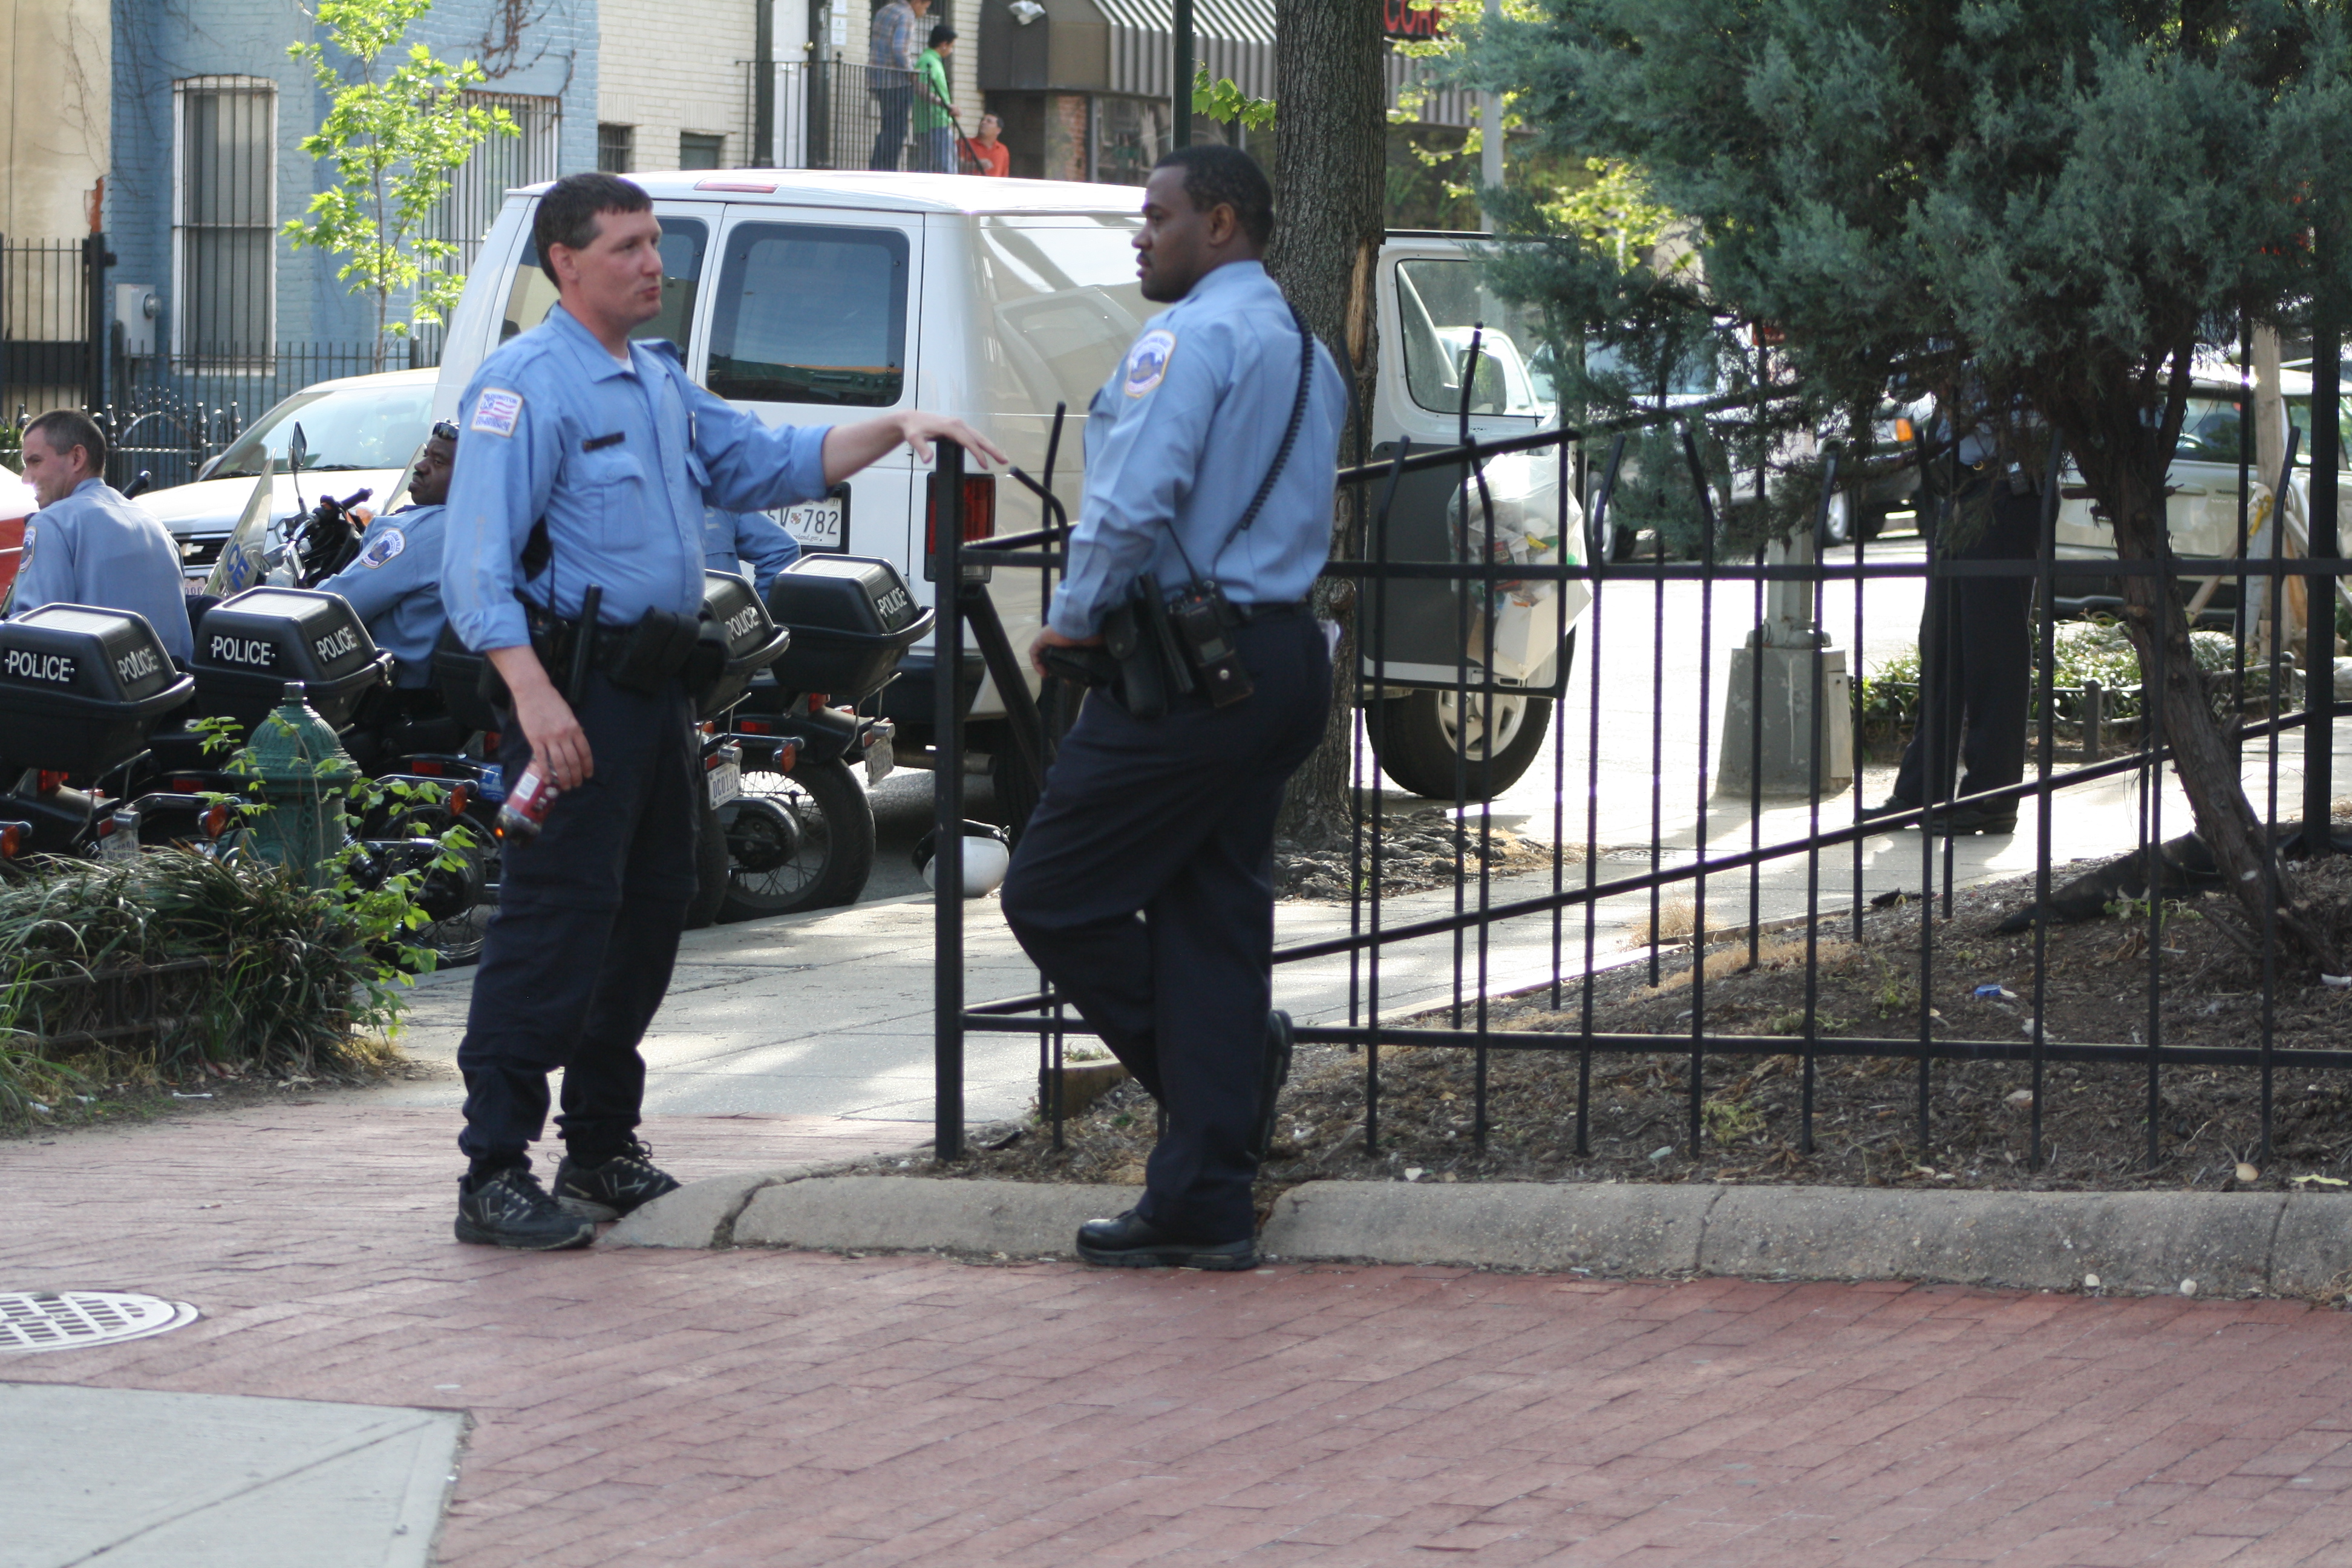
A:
395,131
2026,206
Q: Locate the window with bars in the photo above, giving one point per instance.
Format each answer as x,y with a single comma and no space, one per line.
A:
617,148
223,218
698,151
498,164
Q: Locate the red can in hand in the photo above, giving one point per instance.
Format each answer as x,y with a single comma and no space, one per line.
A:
525,811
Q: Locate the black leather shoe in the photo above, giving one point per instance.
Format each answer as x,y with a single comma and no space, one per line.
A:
1131,1241
626,1182
510,1208
1892,806
1271,1076
1991,818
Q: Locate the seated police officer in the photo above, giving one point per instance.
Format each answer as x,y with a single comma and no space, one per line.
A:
588,460
394,584
732,539
1143,885
89,544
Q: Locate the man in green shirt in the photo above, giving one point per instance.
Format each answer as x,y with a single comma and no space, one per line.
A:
935,105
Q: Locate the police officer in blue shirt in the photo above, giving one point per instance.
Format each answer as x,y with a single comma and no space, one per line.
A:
394,584
586,464
732,540
1210,454
89,544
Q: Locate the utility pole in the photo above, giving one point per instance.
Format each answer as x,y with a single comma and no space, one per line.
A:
763,84
1181,99
1490,131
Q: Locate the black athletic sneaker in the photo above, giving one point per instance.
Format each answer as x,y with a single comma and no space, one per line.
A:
628,1179
1271,1076
510,1208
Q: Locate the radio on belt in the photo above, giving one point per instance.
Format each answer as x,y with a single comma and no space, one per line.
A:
250,647
81,687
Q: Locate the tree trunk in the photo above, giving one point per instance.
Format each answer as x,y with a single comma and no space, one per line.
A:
2115,468
1330,182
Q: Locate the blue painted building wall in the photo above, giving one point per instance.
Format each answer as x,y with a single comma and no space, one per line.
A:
159,42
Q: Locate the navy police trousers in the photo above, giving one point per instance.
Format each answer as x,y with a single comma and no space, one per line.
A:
1143,888
578,954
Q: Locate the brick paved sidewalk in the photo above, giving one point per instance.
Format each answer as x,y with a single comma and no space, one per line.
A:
765,1408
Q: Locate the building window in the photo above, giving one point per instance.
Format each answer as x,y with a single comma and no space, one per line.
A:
696,150
223,218
498,164
617,148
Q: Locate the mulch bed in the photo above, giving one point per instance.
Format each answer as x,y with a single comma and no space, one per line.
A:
1419,849
1865,1121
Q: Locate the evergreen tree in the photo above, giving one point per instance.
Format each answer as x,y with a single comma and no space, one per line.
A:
2028,207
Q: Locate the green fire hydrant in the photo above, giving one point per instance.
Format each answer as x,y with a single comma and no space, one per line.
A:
300,771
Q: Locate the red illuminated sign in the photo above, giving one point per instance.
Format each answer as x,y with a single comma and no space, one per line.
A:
1403,19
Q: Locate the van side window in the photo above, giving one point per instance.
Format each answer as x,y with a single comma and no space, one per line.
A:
1439,303
811,313
532,294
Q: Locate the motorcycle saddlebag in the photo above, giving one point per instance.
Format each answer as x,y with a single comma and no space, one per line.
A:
732,611
250,647
852,618
81,687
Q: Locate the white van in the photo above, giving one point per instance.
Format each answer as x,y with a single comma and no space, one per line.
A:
813,297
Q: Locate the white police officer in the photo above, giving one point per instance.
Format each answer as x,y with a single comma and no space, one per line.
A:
732,539
394,584
1173,817
89,544
609,446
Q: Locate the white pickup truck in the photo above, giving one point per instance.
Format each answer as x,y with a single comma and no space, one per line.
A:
813,297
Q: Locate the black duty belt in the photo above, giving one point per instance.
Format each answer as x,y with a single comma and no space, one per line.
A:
1253,614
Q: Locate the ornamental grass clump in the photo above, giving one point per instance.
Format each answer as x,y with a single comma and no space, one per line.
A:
286,977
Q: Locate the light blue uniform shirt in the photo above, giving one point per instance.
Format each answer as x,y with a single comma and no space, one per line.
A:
1180,438
620,460
394,584
95,547
731,538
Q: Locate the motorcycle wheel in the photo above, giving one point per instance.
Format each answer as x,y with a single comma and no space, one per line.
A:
801,840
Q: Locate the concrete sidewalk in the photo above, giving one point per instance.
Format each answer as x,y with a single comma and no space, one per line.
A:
771,1409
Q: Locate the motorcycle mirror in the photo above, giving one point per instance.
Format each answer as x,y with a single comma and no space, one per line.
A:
298,452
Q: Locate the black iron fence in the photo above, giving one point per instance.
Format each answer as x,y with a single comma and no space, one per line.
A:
832,114
1612,927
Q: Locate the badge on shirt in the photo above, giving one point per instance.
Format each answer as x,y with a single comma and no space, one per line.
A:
1147,363
383,547
496,411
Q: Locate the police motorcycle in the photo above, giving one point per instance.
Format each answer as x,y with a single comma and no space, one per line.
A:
798,830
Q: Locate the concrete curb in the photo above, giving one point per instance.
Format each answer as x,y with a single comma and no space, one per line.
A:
2135,1243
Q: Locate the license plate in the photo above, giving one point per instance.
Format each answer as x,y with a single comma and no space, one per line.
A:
119,846
880,763
726,783
818,524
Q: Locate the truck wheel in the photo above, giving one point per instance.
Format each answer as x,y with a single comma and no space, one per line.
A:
710,869
801,840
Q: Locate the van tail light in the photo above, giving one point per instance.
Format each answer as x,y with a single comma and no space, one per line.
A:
13,838
979,511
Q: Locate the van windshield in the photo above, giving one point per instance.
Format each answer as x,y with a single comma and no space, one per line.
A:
532,294
2209,431
811,313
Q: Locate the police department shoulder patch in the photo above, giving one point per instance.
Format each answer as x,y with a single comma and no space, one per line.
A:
383,547
25,556
1147,361
496,410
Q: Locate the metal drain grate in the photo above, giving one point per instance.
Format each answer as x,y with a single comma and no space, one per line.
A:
65,1320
